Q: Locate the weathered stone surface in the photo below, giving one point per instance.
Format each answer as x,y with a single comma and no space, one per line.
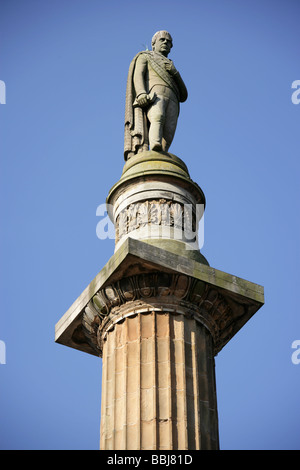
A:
166,404
154,91
224,303
158,314
155,199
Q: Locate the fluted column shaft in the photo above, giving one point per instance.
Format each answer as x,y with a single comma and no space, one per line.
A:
158,384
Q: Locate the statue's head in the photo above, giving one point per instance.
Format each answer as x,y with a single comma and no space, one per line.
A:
162,42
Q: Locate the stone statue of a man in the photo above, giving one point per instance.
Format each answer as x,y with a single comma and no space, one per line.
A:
154,91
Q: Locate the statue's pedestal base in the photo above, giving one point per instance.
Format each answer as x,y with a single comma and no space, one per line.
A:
156,201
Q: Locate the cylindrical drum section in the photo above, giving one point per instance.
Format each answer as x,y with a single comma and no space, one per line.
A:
156,201
159,389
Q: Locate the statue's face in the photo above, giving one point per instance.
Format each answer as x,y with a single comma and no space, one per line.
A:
163,45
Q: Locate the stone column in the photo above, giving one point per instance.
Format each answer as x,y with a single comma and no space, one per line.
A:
157,314
158,363
158,384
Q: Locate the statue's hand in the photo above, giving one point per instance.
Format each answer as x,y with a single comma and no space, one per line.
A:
142,100
170,67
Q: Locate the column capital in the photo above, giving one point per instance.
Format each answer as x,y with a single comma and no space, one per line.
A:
153,277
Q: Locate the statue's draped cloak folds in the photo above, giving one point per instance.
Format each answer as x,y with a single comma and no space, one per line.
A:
136,127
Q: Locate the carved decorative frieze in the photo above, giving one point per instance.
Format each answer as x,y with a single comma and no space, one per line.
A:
173,293
155,212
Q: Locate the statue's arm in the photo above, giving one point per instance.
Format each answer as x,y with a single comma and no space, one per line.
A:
139,80
182,88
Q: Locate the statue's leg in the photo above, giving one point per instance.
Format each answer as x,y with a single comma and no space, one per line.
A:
156,116
172,111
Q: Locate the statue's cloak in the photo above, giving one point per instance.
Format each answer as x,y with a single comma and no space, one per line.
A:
136,129
136,126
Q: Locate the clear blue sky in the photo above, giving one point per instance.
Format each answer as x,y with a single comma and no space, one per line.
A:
65,66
